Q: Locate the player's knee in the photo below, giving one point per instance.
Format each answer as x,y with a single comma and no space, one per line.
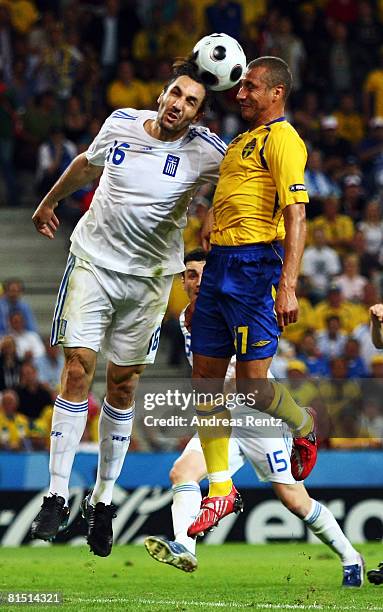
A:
189,467
75,374
292,501
122,383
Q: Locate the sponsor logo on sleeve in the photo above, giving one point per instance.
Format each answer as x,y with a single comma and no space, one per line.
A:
297,187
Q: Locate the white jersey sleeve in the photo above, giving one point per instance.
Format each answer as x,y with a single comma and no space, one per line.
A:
215,153
98,149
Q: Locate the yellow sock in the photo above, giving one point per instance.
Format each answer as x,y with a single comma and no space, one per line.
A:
214,434
285,407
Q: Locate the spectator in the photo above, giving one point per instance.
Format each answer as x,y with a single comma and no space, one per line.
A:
332,340
39,120
9,363
353,201
350,122
368,352
309,353
369,265
111,34
28,343
12,302
349,431
285,353
182,29
225,16
338,229
290,48
370,297
14,427
355,365
351,283
54,156
319,263
75,120
7,141
33,396
306,117
126,91
302,390
318,184
49,366
6,44
338,392
371,155
372,228
350,315
340,59
345,11
334,148
367,34
373,90
372,417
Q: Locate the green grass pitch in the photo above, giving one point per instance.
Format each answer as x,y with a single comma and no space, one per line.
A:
230,577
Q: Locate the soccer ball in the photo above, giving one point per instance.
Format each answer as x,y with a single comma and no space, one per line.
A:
220,60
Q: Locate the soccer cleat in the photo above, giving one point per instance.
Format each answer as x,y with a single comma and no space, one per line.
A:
304,453
171,553
353,575
375,576
52,518
213,509
100,531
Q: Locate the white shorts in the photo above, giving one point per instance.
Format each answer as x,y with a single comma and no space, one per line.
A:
269,457
121,314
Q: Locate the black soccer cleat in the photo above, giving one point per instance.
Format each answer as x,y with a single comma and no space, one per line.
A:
52,518
375,576
100,531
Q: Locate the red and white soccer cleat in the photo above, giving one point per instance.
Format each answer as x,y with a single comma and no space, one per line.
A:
304,453
213,509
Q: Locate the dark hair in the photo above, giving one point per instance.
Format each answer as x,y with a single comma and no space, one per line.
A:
185,66
277,72
195,255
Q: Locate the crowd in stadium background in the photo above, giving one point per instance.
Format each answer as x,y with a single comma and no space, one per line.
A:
66,65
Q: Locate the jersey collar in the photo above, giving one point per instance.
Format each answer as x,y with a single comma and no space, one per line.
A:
276,120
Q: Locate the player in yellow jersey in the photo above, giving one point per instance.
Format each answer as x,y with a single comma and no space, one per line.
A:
248,289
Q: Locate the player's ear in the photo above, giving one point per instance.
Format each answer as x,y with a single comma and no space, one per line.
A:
160,97
279,91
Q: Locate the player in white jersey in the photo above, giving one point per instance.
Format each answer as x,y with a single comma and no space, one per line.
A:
270,458
114,293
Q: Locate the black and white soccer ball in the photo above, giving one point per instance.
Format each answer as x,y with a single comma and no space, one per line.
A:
220,60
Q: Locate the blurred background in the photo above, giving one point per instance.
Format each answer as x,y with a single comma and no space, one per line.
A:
64,66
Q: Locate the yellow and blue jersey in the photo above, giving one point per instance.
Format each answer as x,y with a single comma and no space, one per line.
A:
261,173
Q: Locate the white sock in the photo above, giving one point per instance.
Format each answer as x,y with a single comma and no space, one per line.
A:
68,424
114,429
323,524
186,503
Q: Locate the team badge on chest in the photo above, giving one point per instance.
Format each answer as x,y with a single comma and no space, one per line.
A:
249,148
171,165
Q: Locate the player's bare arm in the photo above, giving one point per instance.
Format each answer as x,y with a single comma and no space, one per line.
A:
376,317
79,173
286,303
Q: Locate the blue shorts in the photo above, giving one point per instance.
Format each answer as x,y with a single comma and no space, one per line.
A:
234,311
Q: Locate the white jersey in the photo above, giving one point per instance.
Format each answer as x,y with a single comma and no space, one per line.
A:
138,213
